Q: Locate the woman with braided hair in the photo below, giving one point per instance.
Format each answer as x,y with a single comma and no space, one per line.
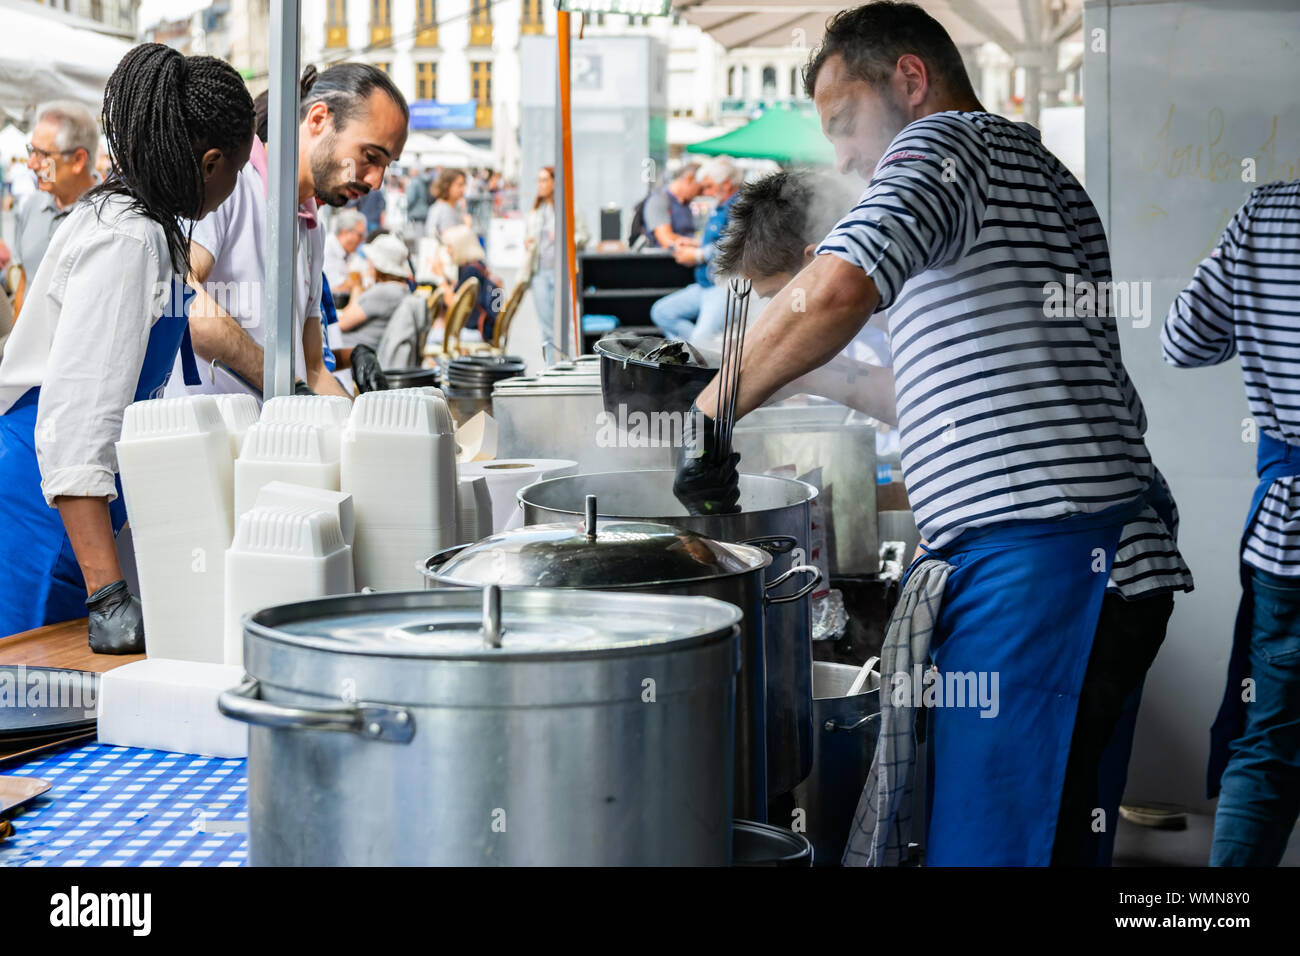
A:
104,321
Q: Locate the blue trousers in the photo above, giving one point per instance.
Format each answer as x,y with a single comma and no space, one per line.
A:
1259,797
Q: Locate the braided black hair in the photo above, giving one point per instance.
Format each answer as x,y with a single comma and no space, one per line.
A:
162,111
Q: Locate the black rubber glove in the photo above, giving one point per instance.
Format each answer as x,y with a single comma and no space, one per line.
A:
366,371
302,388
116,624
706,483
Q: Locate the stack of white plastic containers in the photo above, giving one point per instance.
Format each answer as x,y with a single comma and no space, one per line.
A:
232,511
175,462
399,464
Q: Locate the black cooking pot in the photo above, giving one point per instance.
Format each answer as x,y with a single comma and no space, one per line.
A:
646,386
761,844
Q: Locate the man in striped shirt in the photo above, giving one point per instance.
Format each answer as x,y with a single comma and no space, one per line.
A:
1021,434
1243,301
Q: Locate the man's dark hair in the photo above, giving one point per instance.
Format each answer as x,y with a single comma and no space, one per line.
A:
161,111
345,87
871,39
772,220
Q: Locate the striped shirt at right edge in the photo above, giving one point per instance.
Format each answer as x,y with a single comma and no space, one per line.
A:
1009,407
1245,300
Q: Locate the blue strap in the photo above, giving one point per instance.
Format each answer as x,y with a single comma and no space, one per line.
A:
189,367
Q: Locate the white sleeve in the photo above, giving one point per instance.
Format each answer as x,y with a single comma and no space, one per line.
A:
94,364
212,230
316,263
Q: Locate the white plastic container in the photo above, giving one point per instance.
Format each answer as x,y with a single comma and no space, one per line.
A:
284,451
399,464
474,520
282,494
239,411
174,460
168,705
281,555
327,412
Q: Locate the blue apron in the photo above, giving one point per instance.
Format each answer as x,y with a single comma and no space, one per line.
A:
1022,602
44,584
1274,459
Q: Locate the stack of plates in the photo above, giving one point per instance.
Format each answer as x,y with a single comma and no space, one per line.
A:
480,373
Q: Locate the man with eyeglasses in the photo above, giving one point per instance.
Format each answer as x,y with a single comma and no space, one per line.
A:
62,154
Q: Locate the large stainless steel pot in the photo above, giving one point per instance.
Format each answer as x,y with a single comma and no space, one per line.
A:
773,516
548,728
656,558
843,746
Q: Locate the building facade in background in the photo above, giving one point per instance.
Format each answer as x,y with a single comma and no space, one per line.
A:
117,17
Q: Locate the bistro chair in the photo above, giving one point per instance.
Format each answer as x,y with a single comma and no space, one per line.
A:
457,316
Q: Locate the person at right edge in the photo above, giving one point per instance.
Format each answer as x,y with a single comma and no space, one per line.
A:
1049,532
1242,301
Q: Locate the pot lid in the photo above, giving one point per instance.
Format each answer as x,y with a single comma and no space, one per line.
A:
489,624
615,553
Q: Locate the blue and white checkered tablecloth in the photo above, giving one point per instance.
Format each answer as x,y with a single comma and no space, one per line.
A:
119,806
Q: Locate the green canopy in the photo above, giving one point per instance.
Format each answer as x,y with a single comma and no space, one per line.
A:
783,135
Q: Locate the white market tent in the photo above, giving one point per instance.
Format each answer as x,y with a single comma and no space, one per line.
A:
1026,29
66,60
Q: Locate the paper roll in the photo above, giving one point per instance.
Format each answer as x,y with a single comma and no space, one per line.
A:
506,477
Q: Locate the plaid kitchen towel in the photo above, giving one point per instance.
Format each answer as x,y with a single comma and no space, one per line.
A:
883,820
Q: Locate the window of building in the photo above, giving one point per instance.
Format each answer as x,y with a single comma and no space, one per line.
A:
97,10
381,22
731,81
794,82
426,81
426,23
336,24
480,85
383,65
480,23
532,20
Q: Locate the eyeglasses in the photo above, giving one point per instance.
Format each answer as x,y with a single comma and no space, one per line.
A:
36,151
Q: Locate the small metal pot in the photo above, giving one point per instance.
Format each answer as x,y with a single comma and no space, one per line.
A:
843,745
775,516
646,557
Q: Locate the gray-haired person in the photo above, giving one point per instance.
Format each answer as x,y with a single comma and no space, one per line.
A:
62,154
347,232
697,311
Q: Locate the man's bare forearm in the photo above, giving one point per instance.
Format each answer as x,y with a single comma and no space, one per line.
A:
809,322
90,530
216,335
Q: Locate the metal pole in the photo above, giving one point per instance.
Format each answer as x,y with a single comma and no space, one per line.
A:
560,295
281,201
566,173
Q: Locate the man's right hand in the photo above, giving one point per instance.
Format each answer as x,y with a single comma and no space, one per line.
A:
706,483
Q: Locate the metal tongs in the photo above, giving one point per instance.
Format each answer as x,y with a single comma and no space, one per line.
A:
733,348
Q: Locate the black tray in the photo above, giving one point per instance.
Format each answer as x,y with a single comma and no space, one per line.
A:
76,691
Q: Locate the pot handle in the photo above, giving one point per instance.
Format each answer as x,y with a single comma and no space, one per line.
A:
816,579
244,703
849,728
773,543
